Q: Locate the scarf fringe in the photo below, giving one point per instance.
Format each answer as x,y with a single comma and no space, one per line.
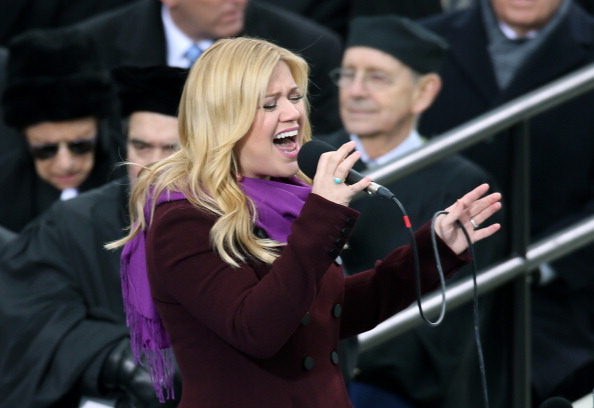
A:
148,339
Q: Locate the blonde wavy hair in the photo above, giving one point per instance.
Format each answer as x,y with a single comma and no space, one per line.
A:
219,103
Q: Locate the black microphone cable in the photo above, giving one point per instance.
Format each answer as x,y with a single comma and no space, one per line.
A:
475,299
413,244
442,287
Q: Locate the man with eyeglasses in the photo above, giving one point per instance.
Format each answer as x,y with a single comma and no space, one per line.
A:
59,98
60,293
386,80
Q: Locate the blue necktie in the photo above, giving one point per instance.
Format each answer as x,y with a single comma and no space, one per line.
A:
193,53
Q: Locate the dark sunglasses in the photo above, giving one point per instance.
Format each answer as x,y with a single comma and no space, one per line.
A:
49,150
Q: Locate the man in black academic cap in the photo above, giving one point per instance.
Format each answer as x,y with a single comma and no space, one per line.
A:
59,99
388,77
60,293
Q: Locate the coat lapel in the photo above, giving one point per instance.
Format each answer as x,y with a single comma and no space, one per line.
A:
563,53
473,58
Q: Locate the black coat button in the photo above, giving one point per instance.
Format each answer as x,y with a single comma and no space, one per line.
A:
306,319
350,222
340,242
333,252
337,310
334,358
308,363
345,232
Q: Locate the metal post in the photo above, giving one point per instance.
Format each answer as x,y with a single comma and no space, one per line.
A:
520,227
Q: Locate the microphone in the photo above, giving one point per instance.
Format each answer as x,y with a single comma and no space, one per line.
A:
308,158
556,402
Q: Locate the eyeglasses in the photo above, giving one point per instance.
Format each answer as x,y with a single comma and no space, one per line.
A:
372,80
48,150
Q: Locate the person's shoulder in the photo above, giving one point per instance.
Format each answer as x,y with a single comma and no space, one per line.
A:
581,23
127,13
180,216
269,20
450,18
460,169
107,194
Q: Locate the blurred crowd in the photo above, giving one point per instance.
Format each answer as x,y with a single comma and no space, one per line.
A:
90,91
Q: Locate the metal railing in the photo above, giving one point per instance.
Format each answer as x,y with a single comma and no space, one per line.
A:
525,258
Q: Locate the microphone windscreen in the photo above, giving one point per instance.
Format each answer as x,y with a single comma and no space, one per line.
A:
556,402
309,155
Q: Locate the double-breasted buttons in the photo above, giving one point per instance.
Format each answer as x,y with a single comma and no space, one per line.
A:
333,252
350,222
306,319
308,363
345,232
337,310
340,242
334,358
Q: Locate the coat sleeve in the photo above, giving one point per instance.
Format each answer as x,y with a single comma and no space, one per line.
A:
254,312
54,330
373,296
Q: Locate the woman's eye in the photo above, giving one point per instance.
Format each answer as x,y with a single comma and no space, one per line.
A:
296,97
270,106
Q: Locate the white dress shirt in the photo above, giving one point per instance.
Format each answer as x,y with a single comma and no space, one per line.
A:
177,42
413,141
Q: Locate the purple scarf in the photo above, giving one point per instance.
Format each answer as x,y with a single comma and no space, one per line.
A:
278,204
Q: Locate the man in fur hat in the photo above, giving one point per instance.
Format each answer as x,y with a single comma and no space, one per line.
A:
60,290
59,98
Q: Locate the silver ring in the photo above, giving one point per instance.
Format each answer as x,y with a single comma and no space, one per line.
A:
337,180
473,222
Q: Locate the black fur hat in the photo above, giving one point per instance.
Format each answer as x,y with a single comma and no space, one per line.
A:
55,75
150,89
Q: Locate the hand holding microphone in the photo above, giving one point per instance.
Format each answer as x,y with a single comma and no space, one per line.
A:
322,163
311,153
329,169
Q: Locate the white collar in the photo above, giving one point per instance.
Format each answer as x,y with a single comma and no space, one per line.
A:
412,142
177,42
68,193
512,35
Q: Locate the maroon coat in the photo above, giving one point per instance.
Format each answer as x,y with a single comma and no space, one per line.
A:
267,336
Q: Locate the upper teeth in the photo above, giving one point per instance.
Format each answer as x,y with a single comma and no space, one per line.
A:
289,133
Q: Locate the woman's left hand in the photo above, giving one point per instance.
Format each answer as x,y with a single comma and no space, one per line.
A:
472,210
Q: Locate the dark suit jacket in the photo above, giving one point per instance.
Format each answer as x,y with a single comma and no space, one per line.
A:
134,35
20,16
266,336
426,365
561,151
60,300
333,14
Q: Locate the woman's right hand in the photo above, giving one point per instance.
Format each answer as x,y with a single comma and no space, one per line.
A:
336,165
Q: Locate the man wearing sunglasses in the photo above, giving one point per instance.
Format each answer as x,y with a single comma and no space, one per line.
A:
68,345
59,99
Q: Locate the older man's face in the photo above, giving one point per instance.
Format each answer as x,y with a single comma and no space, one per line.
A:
377,95
525,15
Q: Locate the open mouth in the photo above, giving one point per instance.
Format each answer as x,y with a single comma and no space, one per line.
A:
287,141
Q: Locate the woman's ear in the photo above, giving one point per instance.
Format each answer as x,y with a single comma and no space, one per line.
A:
427,88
